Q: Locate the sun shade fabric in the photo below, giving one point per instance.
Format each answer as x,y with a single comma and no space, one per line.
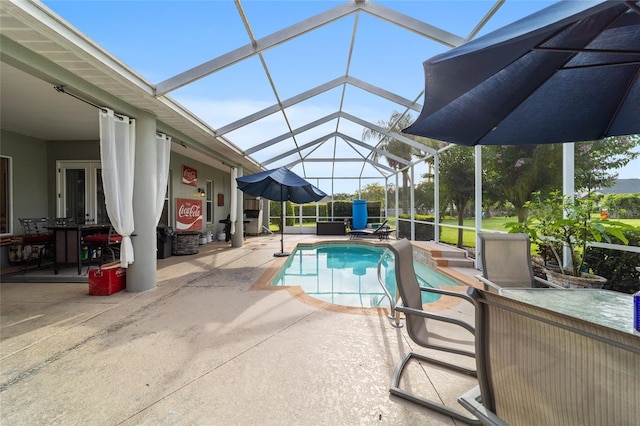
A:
280,185
525,83
117,154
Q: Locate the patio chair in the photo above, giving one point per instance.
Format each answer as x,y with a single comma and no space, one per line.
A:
382,232
506,262
439,333
540,367
101,245
37,237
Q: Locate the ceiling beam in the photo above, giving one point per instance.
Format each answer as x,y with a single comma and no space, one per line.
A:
251,49
387,133
317,141
349,117
402,101
288,135
373,148
412,24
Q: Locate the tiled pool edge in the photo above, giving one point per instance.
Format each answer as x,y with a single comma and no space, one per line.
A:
422,254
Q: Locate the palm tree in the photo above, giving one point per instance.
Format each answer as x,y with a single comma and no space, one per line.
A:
396,123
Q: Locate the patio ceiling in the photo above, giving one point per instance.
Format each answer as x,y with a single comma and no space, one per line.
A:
312,124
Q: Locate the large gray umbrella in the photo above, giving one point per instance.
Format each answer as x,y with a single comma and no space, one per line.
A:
570,72
280,185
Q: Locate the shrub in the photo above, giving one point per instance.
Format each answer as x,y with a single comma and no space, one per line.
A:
424,231
622,205
617,266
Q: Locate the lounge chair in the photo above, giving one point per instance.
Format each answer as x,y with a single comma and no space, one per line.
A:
506,262
382,232
540,367
436,332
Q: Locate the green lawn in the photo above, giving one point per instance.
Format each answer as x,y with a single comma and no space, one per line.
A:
450,235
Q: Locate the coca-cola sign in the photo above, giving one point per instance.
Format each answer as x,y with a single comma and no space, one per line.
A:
189,176
188,214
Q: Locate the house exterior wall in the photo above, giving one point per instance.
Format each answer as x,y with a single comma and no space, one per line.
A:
29,176
221,185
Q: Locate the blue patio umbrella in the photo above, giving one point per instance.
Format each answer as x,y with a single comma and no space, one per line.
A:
280,185
568,73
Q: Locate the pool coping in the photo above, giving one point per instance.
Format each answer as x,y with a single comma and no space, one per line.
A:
466,280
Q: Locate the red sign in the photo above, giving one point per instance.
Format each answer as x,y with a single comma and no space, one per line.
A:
188,214
189,176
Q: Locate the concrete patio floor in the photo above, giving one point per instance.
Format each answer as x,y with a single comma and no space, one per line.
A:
204,348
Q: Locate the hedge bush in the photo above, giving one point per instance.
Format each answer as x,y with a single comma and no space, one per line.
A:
424,231
341,209
618,267
622,206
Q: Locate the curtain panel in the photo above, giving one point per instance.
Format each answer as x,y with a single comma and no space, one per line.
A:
163,153
117,153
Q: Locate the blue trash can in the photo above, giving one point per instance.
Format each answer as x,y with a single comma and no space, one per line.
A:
359,214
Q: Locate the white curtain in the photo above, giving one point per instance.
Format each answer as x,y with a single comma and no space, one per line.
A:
163,153
117,153
233,208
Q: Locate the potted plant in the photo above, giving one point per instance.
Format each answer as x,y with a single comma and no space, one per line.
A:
559,221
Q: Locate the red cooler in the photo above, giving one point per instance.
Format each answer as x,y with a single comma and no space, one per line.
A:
107,279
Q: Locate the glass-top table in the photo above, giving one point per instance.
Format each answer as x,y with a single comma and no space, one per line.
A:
608,308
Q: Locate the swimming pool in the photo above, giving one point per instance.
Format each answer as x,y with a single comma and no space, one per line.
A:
347,274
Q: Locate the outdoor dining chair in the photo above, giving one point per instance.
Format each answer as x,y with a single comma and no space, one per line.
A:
101,245
506,262
37,239
438,333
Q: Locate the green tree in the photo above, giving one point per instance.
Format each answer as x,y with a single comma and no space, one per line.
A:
457,179
514,172
373,192
424,199
343,196
397,122
596,162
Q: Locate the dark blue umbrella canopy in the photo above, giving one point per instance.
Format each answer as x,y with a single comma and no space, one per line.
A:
570,72
280,185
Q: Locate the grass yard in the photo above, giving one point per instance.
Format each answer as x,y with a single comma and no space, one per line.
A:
450,235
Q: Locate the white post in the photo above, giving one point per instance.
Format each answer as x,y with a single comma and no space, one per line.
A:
411,206
436,196
141,274
237,239
478,182
568,187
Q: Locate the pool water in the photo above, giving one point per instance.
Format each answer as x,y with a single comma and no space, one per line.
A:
347,274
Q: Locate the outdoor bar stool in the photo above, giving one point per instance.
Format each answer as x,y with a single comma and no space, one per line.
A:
37,237
100,245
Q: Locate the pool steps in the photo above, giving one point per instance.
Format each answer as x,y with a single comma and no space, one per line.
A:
448,260
440,256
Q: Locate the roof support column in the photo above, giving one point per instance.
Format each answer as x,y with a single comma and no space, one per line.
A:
141,274
237,239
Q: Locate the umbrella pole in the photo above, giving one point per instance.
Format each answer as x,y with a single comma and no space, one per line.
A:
282,205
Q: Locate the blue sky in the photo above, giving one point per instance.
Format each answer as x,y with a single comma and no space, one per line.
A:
159,39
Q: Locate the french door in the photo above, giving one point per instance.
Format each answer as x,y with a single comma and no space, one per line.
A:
80,193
